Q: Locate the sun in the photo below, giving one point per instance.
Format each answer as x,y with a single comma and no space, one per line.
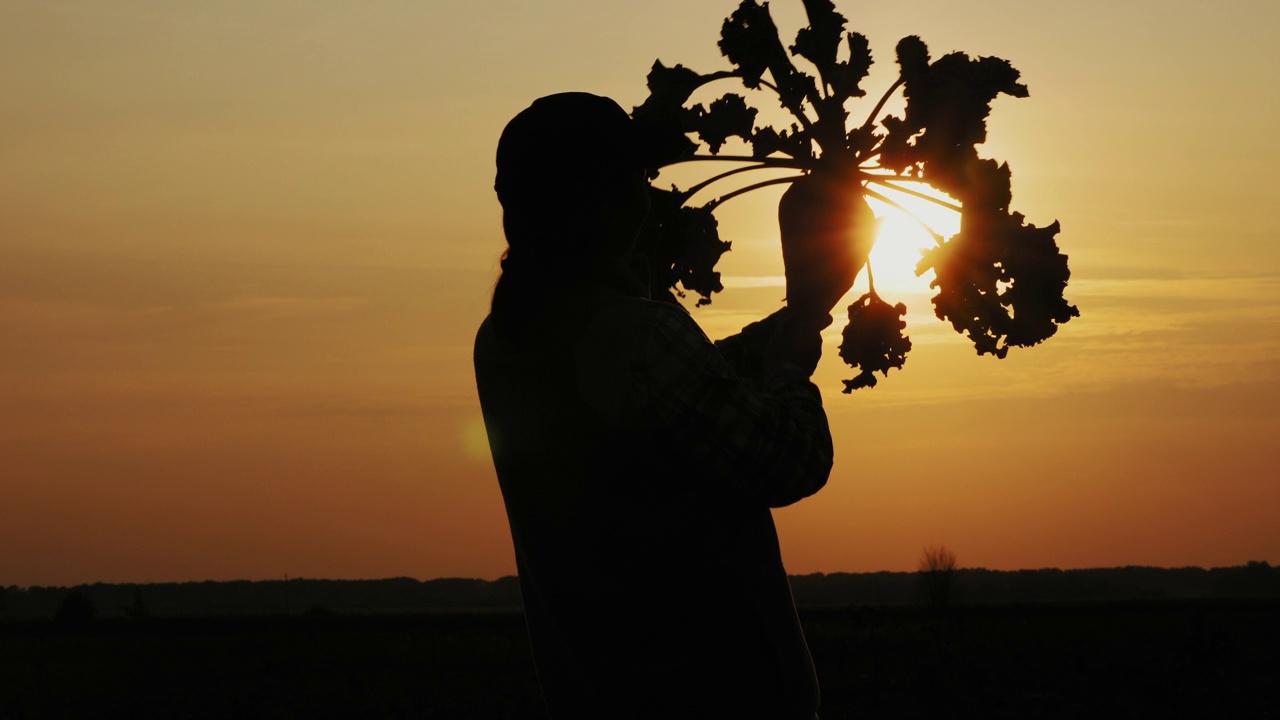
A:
901,238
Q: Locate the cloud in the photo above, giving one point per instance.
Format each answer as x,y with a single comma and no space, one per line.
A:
753,281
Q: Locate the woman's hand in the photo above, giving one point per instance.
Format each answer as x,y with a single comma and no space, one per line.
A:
796,341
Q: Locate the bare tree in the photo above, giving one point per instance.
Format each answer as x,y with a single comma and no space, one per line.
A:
937,573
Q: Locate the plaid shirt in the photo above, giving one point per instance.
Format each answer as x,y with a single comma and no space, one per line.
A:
638,461
759,435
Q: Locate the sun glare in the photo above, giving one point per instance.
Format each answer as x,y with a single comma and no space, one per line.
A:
901,238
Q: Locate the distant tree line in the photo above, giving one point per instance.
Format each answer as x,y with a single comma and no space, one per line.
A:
982,586
275,597
301,596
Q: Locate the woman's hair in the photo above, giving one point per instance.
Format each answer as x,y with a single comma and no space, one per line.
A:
570,180
556,232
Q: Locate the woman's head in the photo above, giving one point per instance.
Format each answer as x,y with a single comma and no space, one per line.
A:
571,176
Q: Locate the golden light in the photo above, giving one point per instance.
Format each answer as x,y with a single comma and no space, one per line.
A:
474,439
901,238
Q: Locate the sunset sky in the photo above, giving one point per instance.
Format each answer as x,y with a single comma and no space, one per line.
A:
245,246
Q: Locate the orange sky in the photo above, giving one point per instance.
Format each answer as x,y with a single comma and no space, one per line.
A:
244,248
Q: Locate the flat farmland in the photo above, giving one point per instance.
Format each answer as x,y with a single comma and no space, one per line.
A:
1157,659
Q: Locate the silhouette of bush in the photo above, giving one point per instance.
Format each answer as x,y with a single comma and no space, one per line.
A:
75,610
937,575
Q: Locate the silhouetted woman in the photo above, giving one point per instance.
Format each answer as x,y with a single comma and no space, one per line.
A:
638,460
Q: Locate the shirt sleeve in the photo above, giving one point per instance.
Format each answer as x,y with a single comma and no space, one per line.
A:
768,440
744,352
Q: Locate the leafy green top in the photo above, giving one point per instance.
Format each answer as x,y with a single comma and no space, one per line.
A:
999,281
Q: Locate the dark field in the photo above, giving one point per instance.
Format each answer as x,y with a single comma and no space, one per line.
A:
1167,659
